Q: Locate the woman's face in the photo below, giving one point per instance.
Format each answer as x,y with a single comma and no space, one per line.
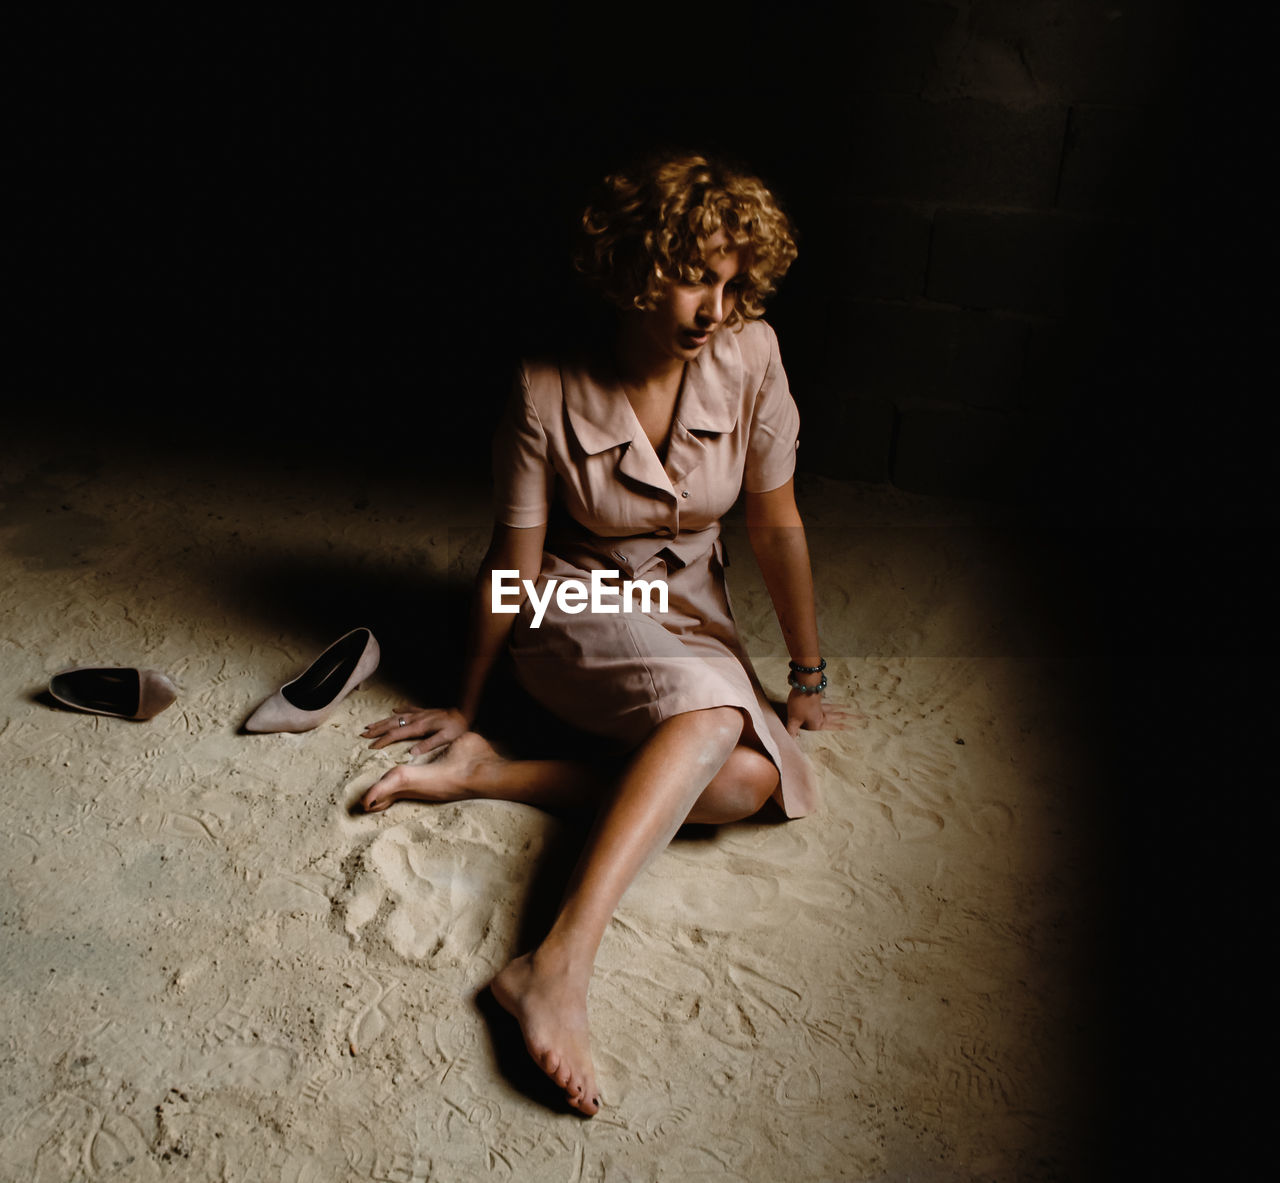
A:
690,311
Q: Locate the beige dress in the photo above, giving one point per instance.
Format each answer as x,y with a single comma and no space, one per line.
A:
571,455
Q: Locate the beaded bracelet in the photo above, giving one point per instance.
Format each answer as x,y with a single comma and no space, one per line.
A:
798,685
796,668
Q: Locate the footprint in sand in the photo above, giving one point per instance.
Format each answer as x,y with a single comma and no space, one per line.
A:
444,891
67,1136
375,1009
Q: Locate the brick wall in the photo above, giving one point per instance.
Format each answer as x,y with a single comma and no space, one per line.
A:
990,245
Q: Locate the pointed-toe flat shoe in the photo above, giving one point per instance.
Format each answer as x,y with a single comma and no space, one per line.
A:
310,698
125,693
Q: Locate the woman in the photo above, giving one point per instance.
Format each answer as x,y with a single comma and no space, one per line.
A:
621,462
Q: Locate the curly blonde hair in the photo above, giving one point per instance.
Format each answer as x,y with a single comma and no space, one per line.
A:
647,226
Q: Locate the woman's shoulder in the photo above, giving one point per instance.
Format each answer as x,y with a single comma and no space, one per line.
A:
535,372
753,340
751,345
539,383
546,377
756,332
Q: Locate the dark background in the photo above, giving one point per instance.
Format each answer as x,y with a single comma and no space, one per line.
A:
1029,231
1033,271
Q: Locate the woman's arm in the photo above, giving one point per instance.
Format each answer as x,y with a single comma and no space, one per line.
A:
777,538
510,549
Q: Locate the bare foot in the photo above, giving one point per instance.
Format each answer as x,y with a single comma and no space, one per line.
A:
452,776
553,1017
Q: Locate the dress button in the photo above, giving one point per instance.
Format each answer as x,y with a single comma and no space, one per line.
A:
685,493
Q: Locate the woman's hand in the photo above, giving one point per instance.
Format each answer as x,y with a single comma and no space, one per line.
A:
440,726
811,713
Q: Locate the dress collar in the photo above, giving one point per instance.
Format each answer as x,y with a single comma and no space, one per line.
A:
711,394
709,398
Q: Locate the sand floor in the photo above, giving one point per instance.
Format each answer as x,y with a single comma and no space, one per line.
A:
212,970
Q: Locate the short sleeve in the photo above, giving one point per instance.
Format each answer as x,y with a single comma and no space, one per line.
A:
775,430
522,473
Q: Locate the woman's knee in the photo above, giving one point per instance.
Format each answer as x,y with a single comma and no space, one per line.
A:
747,780
719,728
729,722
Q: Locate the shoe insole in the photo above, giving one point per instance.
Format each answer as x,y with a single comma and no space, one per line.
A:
112,691
323,681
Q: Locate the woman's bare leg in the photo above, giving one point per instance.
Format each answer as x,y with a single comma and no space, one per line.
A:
693,756
739,790
470,768
546,990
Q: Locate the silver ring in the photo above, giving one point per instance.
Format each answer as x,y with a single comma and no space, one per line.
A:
401,720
